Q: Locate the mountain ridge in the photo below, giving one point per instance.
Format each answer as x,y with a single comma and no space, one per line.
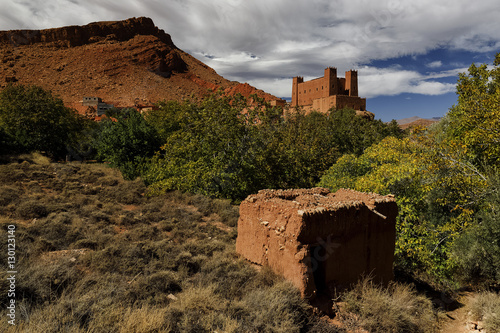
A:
126,63
416,121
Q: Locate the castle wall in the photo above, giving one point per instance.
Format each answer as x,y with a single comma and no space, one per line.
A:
355,103
338,102
328,91
307,91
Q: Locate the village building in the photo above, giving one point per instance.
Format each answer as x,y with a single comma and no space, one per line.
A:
97,104
327,92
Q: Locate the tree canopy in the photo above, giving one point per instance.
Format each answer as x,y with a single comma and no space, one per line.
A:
126,142
32,119
226,147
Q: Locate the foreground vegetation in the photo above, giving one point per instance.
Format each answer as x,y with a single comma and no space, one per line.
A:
97,255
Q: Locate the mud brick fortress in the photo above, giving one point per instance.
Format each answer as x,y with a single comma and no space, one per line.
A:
328,91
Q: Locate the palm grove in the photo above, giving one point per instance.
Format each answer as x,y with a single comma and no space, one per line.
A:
445,178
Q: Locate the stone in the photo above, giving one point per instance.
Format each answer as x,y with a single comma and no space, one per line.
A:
318,240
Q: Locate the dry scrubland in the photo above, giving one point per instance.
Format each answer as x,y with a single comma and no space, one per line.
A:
97,254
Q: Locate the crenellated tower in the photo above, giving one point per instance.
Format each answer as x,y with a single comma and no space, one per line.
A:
327,92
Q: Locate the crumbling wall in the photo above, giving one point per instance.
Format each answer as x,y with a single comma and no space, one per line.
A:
318,240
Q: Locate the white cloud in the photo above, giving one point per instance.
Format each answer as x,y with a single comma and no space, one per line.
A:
277,87
435,64
394,81
447,73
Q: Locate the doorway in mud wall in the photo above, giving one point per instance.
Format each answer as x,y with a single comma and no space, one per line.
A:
318,257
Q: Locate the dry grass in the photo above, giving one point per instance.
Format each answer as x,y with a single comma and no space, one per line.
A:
155,264
485,307
144,264
397,309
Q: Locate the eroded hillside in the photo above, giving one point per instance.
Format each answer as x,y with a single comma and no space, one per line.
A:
125,63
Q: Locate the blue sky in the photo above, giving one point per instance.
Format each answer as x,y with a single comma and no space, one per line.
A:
407,53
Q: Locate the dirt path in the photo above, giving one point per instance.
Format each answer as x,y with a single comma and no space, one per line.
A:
456,321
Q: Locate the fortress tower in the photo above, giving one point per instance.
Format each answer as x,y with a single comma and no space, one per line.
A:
328,92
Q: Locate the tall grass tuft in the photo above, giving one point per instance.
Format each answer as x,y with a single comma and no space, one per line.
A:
395,309
485,307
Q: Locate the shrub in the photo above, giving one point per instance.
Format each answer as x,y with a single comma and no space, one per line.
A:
8,194
276,309
85,244
477,251
46,281
32,209
130,192
397,308
199,309
144,320
127,143
227,212
58,230
50,318
232,277
486,307
163,282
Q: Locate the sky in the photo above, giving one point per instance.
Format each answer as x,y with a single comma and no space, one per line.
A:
407,53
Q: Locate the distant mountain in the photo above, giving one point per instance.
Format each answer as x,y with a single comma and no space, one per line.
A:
126,63
416,121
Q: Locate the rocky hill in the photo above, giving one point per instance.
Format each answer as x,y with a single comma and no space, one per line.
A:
126,63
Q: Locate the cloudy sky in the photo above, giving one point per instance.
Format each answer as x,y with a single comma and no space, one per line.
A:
407,53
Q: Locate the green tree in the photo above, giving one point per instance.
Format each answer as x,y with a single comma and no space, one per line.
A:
300,147
127,143
474,123
166,118
210,149
228,147
436,191
32,119
477,251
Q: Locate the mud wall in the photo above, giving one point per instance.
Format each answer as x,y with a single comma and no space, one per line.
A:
318,240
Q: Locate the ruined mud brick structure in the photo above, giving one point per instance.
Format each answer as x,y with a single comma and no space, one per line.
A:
96,103
318,240
328,91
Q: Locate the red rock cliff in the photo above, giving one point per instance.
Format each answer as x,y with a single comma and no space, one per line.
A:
80,35
126,63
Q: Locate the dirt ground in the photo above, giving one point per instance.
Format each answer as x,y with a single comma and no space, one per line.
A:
457,320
